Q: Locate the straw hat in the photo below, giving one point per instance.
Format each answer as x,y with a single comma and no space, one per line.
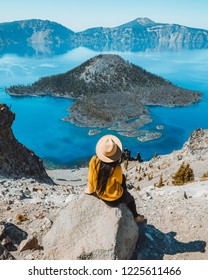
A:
109,148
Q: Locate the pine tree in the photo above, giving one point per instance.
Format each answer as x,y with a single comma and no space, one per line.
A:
188,174
183,175
178,176
205,175
160,183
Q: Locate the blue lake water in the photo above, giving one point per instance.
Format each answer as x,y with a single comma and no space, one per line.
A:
39,124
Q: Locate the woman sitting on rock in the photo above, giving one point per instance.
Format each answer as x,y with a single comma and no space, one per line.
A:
105,178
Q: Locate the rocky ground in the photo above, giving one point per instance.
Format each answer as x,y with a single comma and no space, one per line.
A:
176,226
33,206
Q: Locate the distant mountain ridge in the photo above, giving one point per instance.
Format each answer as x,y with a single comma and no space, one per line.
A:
138,23
34,36
44,36
142,34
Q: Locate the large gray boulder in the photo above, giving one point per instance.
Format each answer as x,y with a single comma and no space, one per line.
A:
89,229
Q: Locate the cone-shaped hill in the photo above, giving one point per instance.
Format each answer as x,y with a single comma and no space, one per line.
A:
107,89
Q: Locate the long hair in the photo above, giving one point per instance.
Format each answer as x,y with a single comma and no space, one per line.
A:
105,171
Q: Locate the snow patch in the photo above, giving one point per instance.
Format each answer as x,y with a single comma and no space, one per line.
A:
39,37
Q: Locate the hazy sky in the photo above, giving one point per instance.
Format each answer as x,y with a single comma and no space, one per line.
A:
82,14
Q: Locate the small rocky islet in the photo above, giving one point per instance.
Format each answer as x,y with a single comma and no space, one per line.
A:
110,92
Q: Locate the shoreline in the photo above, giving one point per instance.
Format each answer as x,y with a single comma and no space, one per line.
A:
118,93
70,166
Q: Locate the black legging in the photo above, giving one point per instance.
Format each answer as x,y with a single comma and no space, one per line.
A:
126,198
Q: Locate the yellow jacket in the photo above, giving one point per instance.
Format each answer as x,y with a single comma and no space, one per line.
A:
113,189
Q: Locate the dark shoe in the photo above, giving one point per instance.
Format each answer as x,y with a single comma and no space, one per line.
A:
139,219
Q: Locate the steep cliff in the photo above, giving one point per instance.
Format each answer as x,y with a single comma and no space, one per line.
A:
34,36
15,159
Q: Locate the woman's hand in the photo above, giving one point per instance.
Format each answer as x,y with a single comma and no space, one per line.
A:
86,191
